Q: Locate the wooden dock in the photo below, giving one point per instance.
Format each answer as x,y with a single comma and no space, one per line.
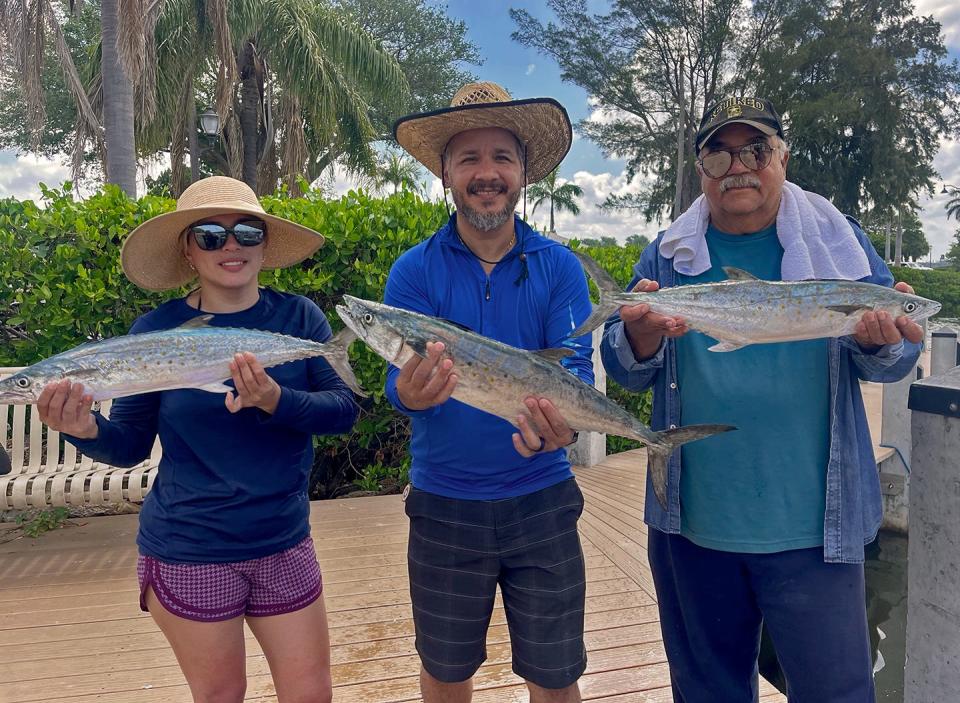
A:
71,630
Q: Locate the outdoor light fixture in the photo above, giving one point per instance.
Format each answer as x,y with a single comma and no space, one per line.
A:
210,123
953,189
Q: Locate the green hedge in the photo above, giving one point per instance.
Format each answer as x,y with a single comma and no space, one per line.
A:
61,284
937,284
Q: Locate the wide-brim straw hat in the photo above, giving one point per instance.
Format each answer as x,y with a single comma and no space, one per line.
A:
541,125
152,256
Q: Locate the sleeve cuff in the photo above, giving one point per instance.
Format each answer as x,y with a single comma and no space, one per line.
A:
624,352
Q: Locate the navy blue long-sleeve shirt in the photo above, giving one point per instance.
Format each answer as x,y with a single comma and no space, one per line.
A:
230,487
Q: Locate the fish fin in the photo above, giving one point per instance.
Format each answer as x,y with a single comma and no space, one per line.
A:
556,355
597,317
735,274
458,325
605,285
419,346
659,453
601,278
849,309
218,387
336,355
726,346
196,322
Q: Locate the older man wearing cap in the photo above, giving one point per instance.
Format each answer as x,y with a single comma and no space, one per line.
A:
488,505
766,524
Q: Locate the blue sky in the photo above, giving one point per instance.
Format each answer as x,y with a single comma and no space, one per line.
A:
526,73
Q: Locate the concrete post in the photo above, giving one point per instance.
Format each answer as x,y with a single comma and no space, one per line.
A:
943,352
591,447
932,671
895,433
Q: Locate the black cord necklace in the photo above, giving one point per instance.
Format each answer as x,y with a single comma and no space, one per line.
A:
513,240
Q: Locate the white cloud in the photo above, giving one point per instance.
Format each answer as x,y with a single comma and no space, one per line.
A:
592,222
937,228
531,67
20,175
947,12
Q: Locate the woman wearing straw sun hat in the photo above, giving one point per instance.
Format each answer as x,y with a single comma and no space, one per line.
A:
488,505
224,535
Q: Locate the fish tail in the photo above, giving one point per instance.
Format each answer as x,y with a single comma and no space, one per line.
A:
659,451
336,355
605,285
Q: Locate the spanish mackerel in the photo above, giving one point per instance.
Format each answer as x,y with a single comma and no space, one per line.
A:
193,355
746,310
496,378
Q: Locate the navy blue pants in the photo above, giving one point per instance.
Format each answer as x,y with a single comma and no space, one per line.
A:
712,605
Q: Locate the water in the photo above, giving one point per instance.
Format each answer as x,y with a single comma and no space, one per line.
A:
886,579
886,574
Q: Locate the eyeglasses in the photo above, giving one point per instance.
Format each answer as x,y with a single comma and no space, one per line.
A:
755,157
210,236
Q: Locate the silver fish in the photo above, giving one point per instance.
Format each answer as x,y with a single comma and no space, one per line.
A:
496,378
193,355
745,310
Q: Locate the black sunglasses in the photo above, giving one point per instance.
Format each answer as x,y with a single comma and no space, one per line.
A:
755,157
210,236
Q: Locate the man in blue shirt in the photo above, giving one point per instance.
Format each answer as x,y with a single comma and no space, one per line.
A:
766,524
489,505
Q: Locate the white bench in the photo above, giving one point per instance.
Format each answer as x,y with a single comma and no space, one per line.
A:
49,471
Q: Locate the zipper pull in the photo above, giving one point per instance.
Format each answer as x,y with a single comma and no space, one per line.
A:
488,289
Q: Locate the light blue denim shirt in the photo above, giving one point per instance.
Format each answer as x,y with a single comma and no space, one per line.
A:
853,502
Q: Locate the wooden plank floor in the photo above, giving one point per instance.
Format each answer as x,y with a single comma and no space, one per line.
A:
71,630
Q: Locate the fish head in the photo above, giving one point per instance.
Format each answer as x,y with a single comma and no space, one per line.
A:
23,388
913,306
374,323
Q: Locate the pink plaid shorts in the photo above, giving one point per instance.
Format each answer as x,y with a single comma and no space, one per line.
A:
271,585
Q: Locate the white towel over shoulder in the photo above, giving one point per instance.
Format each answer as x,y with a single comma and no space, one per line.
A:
818,241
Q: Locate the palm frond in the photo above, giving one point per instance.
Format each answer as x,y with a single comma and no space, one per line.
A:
227,69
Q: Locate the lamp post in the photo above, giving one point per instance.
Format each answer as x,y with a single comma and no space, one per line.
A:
209,123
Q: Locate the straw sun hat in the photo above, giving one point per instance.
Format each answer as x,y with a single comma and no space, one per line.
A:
541,124
152,256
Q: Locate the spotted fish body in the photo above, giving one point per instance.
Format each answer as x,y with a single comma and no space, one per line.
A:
193,355
496,378
745,310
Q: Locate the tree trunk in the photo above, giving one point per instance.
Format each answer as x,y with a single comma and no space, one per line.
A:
898,256
121,161
193,137
551,215
886,248
249,114
681,132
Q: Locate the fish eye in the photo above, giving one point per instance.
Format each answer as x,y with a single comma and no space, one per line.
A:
368,318
23,382
910,306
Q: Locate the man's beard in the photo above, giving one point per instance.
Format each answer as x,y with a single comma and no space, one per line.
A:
485,221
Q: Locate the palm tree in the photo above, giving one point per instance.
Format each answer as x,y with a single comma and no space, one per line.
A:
953,205
105,111
399,171
290,79
562,197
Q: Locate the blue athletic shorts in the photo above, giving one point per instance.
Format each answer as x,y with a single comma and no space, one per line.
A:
460,550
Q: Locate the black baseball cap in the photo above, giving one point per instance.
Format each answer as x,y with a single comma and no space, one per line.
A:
756,112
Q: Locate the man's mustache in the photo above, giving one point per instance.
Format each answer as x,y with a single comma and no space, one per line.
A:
476,186
741,180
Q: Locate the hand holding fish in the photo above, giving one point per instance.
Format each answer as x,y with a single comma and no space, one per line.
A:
255,389
876,329
65,407
423,383
644,328
544,430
